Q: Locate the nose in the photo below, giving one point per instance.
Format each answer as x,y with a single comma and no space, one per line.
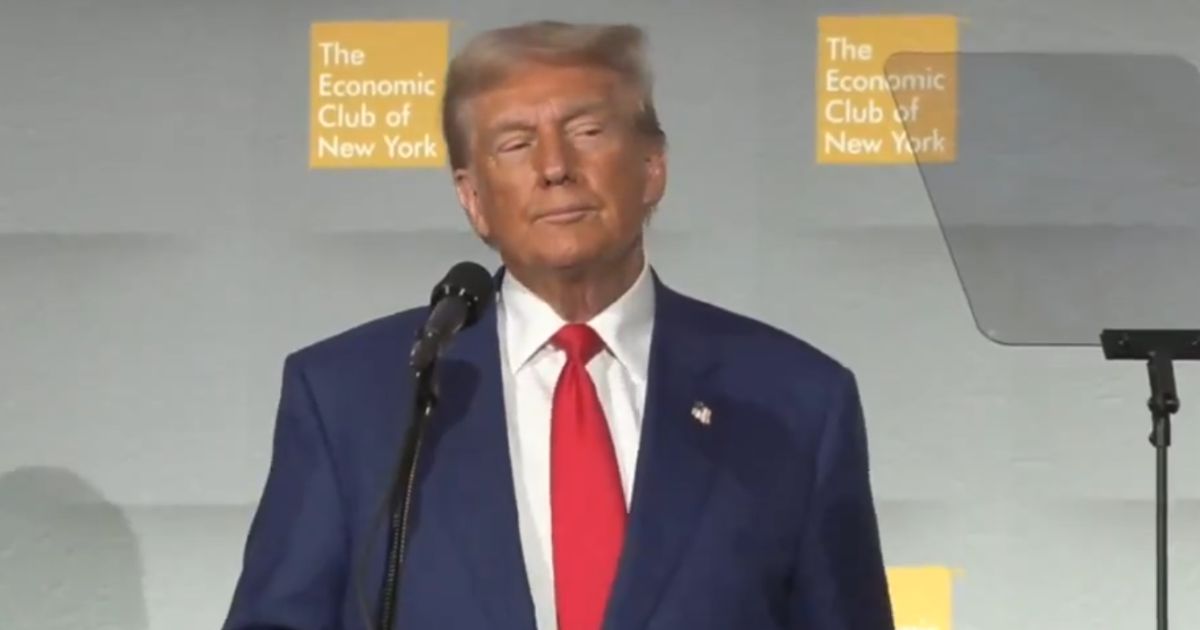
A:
553,160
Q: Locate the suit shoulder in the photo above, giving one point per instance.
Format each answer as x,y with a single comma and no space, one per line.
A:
755,341
386,335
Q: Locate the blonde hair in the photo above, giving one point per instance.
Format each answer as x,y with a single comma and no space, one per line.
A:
491,56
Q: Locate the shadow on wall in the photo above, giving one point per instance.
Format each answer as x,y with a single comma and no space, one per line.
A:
68,558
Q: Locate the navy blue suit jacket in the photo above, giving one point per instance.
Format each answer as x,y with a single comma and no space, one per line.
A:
763,519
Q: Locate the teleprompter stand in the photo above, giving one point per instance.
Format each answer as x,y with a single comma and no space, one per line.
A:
1068,204
1159,349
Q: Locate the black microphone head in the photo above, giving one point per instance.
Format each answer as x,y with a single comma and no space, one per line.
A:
470,282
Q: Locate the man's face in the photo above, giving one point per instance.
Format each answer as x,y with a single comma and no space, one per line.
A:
558,177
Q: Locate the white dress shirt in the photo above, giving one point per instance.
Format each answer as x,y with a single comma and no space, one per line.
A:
530,367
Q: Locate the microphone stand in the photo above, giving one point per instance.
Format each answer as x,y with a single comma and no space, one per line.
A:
1158,348
401,495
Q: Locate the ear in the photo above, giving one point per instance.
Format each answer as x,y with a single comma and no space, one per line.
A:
466,185
655,165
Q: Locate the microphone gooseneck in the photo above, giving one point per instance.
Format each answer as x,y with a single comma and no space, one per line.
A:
456,303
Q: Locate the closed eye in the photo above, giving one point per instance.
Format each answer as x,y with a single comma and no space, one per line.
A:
588,133
517,145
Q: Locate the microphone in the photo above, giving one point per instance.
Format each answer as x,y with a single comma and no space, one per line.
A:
456,303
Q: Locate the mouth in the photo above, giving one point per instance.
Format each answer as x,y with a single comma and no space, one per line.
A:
565,214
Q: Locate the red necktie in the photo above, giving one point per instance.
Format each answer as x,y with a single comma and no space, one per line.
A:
587,501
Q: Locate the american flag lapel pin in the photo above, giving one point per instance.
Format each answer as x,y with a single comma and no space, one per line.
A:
702,413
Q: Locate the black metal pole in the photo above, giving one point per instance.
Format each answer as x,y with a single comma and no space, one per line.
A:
1162,537
1163,403
401,495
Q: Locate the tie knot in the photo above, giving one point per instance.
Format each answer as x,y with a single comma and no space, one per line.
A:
579,341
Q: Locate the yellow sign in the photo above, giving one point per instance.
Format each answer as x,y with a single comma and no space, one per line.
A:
921,597
886,89
375,94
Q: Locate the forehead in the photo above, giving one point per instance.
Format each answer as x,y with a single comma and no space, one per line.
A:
536,90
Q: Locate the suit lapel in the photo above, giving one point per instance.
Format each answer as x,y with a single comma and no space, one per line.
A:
474,490
674,469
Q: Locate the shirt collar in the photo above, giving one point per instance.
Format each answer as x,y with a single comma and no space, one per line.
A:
625,326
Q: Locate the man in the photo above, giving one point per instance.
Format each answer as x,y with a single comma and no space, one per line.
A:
608,452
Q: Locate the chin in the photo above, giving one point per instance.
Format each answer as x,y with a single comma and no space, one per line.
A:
566,254
569,261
